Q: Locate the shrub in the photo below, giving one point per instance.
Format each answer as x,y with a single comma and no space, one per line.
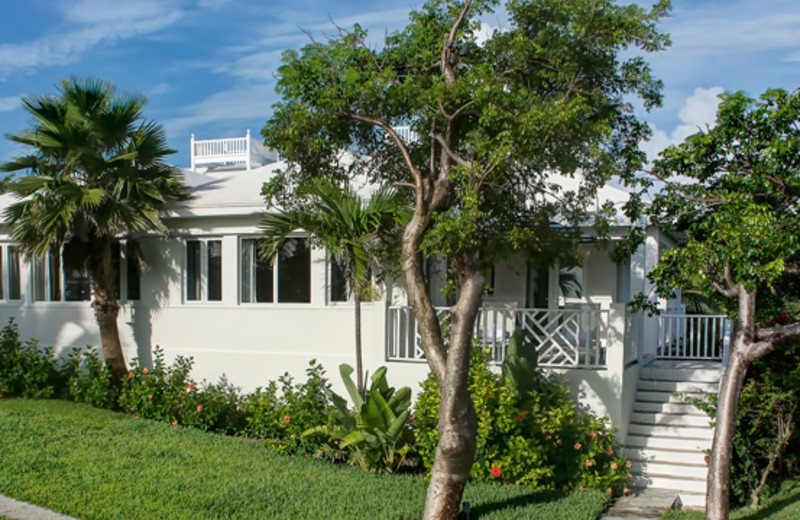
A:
375,434
280,414
89,379
26,370
534,437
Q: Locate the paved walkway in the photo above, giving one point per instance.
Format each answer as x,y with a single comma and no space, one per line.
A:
646,504
16,510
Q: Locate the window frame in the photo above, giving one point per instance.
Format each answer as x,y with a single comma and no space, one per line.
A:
203,271
275,274
5,273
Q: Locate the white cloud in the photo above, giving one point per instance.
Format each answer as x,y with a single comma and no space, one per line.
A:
89,23
7,104
157,90
236,104
698,111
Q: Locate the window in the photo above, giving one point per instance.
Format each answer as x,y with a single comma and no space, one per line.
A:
337,285
288,281
203,270
9,281
65,275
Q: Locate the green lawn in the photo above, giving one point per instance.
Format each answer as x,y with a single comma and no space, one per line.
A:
95,464
783,506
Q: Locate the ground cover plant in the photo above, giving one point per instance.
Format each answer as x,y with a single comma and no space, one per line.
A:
785,505
97,464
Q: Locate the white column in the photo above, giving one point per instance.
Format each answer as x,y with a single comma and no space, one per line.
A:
191,152
247,145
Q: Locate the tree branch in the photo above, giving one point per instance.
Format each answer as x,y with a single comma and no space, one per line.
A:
447,68
450,153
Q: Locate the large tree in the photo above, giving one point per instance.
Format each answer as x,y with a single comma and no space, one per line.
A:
95,172
733,193
498,124
351,228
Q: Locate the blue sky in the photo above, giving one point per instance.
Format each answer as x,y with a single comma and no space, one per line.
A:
207,66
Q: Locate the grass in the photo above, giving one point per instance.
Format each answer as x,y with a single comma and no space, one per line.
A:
96,464
783,506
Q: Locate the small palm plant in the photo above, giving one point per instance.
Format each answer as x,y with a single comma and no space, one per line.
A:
95,173
349,227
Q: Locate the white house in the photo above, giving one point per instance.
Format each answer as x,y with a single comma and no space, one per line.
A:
205,293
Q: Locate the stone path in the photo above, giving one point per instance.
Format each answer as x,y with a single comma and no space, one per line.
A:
16,510
646,504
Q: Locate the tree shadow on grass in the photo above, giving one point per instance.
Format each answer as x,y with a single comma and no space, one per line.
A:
779,503
488,505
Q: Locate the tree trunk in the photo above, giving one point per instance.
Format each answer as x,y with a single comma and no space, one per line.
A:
455,452
106,309
718,484
359,362
719,469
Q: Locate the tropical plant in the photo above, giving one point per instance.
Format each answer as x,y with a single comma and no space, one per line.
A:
497,123
375,434
349,227
739,225
95,173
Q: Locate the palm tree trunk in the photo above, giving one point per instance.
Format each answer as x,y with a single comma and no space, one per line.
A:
106,309
359,361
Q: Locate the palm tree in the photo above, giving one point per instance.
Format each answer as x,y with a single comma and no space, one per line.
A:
95,173
349,227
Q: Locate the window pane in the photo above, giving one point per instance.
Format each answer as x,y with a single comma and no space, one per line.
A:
570,282
294,272
76,272
54,265
14,292
40,279
338,283
256,274
192,270
132,269
214,270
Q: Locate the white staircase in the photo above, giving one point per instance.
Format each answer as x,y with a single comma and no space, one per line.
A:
667,436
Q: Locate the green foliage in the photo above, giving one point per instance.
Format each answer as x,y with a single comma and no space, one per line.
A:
91,463
785,505
26,370
89,379
535,438
375,434
766,426
280,415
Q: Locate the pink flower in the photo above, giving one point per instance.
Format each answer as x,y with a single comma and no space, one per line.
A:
628,464
626,491
521,416
238,407
594,435
547,438
150,396
483,414
174,422
183,397
566,379
609,491
286,419
610,452
200,408
214,399
589,463
133,408
144,370
130,375
558,441
144,383
581,488
190,387
75,383
613,465
496,471
577,445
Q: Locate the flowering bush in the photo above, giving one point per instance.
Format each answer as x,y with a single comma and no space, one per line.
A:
26,370
89,379
535,437
283,410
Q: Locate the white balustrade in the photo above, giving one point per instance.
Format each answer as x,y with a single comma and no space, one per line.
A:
571,337
691,336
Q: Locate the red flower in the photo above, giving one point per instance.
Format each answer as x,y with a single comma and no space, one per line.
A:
286,419
133,408
577,445
174,422
521,416
200,408
589,463
130,375
496,471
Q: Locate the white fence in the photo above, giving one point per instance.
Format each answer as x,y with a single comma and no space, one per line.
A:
571,337
692,336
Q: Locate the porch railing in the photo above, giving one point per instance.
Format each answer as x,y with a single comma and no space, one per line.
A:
692,336
571,337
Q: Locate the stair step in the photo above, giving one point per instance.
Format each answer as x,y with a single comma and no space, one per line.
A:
633,440
686,386
674,470
693,500
676,456
705,375
672,419
690,485
682,432
668,407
